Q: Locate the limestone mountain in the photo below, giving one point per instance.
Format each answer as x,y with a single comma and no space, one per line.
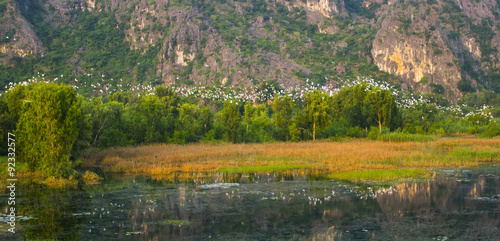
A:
442,46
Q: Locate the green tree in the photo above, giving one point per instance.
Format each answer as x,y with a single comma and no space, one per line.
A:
123,97
150,111
419,118
318,110
194,122
231,118
348,104
7,125
249,112
84,129
47,128
162,91
378,107
257,122
107,123
100,118
282,106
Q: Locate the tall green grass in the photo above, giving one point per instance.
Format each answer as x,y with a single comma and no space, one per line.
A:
482,155
400,137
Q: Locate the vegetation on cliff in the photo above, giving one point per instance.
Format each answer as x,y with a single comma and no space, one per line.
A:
242,43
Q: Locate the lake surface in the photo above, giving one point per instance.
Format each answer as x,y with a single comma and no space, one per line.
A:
461,204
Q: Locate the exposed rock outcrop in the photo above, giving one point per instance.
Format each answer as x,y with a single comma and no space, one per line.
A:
328,8
17,38
412,57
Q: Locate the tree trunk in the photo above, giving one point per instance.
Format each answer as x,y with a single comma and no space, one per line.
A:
379,122
314,131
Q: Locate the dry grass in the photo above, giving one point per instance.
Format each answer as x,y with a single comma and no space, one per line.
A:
323,157
27,179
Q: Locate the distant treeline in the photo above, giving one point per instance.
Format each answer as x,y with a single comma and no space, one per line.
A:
53,125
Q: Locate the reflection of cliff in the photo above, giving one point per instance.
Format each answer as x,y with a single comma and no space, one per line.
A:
478,187
449,208
329,234
415,198
268,208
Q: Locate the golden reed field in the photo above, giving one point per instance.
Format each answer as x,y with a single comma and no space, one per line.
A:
313,157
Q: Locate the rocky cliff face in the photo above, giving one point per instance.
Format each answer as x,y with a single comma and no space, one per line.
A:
429,45
431,42
328,8
477,10
411,47
17,39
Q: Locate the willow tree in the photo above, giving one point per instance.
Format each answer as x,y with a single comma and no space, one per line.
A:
47,128
364,105
318,110
282,107
231,118
348,105
378,107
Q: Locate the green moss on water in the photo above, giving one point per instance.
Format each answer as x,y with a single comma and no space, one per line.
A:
261,169
380,175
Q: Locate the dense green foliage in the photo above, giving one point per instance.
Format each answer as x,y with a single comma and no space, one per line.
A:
53,125
364,106
93,48
231,118
317,110
46,129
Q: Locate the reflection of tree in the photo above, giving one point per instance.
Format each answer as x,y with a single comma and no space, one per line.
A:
256,210
52,211
238,211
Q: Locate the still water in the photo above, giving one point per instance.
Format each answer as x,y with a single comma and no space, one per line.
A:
461,204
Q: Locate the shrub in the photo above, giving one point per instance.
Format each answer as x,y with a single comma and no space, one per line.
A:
492,130
91,178
424,80
341,128
374,133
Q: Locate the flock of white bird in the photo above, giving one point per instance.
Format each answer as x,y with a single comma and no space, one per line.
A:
103,86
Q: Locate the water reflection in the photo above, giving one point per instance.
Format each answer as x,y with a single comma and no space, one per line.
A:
47,214
269,206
